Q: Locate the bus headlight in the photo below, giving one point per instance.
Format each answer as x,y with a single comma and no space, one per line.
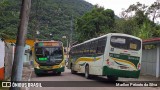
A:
61,66
37,66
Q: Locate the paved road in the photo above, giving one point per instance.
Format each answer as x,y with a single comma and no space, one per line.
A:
100,82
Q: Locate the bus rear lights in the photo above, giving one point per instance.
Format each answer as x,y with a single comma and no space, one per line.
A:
107,61
139,66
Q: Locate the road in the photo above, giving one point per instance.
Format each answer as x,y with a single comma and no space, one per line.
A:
96,83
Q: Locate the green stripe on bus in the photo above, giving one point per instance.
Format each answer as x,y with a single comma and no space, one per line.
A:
120,73
133,59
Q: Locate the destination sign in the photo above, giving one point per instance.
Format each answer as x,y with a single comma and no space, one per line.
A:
49,44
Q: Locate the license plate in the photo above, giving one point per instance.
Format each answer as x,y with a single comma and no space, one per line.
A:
50,72
123,67
45,67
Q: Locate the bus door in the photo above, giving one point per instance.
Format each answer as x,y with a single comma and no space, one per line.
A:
100,45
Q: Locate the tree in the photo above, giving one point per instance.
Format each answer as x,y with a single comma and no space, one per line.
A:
8,19
95,23
139,23
132,9
154,11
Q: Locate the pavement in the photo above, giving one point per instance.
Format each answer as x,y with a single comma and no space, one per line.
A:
141,78
28,70
28,75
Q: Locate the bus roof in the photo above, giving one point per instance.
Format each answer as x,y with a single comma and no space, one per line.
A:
109,34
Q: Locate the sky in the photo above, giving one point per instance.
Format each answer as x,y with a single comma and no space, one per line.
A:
118,5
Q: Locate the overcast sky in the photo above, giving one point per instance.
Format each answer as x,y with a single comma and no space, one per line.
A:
118,5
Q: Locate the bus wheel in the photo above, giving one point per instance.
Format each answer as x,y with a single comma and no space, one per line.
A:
87,76
72,71
112,78
59,73
38,74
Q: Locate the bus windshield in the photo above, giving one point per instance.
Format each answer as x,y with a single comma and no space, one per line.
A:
127,43
49,53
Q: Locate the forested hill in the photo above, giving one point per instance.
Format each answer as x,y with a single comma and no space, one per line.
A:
54,16
46,16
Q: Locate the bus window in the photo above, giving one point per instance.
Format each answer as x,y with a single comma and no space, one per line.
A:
125,43
39,51
134,44
101,45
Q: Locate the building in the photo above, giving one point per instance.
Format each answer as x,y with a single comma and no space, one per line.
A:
151,57
29,42
2,55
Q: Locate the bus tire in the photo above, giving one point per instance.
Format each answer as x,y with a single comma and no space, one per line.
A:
72,71
87,76
38,74
112,78
59,73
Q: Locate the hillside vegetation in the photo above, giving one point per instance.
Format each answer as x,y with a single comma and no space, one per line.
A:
51,18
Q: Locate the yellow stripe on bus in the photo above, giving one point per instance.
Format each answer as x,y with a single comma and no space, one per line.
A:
124,61
87,59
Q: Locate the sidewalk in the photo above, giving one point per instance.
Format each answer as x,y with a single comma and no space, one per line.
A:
26,73
141,78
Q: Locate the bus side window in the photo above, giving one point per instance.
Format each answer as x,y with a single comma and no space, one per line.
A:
101,46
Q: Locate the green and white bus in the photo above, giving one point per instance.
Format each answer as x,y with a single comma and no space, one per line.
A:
113,55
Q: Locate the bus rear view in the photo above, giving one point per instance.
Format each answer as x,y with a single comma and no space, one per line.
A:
124,56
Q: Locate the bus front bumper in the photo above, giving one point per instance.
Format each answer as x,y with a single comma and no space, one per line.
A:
120,73
41,71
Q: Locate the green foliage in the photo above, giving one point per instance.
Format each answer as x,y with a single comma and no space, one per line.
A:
95,23
125,26
140,24
100,21
153,11
144,32
8,19
46,16
54,17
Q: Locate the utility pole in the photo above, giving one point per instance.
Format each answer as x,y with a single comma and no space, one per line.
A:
20,43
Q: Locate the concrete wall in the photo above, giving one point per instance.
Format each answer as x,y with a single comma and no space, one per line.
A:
159,60
8,61
26,56
149,58
2,54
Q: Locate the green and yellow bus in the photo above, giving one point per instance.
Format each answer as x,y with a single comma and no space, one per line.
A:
113,55
48,57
